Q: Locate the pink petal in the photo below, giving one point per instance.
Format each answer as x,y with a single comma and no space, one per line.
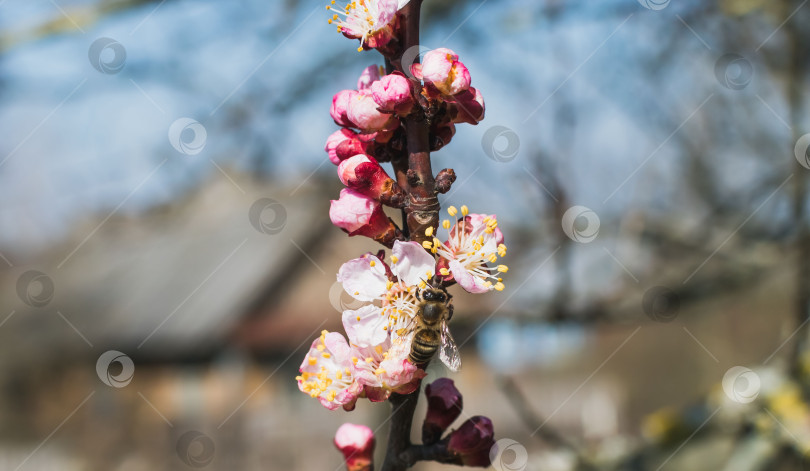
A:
470,283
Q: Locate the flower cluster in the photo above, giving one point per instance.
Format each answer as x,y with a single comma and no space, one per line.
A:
372,117
400,114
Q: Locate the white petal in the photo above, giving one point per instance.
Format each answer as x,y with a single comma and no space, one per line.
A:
413,264
366,326
361,280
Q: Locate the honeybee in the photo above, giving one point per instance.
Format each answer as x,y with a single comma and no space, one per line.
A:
428,329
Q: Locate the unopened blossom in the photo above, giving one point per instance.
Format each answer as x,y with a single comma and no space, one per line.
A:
371,21
345,143
369,75
444,406
340,107
472,442
470,254
327,372
393,93
363,113
358,214
365,175
356,443
443,70
468,106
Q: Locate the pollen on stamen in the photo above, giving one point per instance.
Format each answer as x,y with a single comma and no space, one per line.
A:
394,259
444,271
427,244
452,211
465,210
429,231
499,286
446,224
372,263
503,268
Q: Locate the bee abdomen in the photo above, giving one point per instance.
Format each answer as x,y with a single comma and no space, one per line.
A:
424,345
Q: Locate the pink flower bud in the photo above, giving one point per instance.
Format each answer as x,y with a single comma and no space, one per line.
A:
364,175
444,406
472,442
469,106
363,112
340,105
334,140
358,214
344,143
356,442
369,75
442,68
393,93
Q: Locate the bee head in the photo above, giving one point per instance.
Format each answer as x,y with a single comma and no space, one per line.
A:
436,295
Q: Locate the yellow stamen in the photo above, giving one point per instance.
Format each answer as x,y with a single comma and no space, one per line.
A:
312,360
327,355
394,259
446,224
499,286
503,268
464,210
452,211
429,231
372,263
444,271
427,244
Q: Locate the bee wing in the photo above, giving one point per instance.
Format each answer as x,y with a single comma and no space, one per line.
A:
401,344
448,352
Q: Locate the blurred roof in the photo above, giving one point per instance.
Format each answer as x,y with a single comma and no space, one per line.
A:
174,280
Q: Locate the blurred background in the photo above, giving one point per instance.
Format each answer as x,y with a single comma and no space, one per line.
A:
166,257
